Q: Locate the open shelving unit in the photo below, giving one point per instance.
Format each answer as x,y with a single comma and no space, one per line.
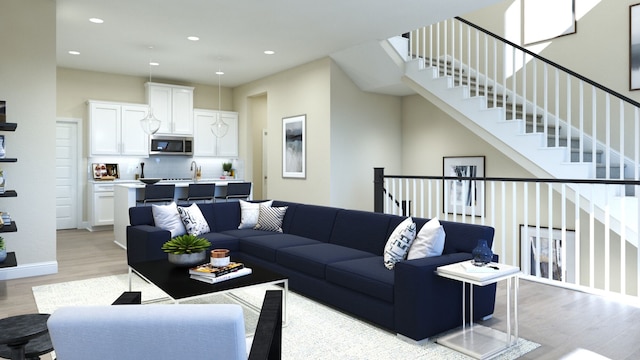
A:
11,260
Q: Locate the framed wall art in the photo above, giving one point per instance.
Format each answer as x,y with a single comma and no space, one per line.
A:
634,47
547,19
464,196
553,260
294,164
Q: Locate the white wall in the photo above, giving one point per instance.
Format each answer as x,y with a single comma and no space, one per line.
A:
366,132
28,85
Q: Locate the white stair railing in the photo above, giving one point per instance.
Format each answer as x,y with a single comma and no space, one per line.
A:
597,125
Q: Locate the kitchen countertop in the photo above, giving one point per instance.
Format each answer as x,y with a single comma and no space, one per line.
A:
178,183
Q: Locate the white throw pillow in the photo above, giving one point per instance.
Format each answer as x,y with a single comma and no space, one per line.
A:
249,213
270,218
399,243
166,217
193,220
429,241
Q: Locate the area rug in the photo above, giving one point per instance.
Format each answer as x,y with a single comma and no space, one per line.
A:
313,330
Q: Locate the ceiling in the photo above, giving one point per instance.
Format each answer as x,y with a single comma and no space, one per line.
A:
233,34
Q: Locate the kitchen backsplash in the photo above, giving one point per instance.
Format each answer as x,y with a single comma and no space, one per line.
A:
168,166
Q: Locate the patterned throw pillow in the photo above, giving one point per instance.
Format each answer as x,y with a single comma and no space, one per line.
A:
249,213
399,243
166,217
429,241
193,220
270,218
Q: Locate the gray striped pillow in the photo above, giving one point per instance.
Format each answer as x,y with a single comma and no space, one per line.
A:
270,218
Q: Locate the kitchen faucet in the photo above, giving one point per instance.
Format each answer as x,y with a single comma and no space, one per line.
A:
194,168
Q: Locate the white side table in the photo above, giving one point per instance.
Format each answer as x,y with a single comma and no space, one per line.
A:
475,340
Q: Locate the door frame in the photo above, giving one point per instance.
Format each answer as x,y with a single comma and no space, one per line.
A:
80,185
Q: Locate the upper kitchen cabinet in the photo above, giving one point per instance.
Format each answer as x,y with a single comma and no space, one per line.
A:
173,106
114,129
205,143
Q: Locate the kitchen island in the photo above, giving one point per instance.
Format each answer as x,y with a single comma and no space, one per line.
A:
126,195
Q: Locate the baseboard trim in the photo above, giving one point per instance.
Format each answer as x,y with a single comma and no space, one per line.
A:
29,270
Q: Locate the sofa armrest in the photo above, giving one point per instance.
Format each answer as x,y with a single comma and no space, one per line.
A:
144,243
427,304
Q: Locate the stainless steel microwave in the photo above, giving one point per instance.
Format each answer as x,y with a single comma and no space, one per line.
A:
171,145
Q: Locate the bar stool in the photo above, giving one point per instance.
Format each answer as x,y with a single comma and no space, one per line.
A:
237,190
199,192
158,193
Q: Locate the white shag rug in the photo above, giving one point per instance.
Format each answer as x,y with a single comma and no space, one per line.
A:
313,330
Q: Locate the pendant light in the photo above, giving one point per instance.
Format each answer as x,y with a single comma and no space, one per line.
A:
150,124
219,128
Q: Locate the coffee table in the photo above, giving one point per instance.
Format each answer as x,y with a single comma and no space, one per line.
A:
176,282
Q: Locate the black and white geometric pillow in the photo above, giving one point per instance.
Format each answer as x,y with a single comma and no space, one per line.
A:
399,243
193,220
270,218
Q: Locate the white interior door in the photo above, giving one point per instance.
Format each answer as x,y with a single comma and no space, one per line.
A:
66,174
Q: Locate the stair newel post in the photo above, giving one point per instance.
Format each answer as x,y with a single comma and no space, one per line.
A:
378,190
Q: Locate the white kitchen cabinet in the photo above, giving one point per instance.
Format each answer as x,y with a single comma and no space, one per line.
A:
205,143
102,204
173,106
114,129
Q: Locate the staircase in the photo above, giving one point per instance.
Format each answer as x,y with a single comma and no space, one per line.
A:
548,141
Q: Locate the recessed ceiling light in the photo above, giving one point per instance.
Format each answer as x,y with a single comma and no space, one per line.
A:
219,72
73,52
153,63
193,38
96,20
269,52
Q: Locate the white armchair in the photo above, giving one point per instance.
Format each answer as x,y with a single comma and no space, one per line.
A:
186,331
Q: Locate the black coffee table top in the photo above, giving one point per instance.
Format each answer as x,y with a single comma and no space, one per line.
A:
176,281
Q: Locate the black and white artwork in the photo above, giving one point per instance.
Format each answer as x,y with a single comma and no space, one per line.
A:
634,47
548,253
544,20
293,147
463,196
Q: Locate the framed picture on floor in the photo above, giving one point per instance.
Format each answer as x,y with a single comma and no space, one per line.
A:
555,259
463,195
294,147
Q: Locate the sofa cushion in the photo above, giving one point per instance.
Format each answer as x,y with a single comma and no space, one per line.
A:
167,217
270,218
314,222
222,241
361,230
399,243
266,246
243,233
428,242
313,259
249,213
368,276
222,216
193,220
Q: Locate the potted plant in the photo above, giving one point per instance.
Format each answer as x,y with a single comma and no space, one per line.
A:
226,168
3,250
187,250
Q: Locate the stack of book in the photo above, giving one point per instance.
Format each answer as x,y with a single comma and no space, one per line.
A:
212,274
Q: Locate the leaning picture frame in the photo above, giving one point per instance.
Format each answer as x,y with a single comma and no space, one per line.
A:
548,253
463,196
294,162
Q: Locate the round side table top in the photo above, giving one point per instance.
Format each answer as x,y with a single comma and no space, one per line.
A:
20,328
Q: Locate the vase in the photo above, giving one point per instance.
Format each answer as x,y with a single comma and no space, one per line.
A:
482,253
188,260
3,255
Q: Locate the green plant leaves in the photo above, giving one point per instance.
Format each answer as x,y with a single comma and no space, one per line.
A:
186,244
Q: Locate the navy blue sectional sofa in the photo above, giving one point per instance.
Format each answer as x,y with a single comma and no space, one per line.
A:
335,256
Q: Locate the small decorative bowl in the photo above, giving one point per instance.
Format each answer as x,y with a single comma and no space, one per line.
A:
220,257
150,181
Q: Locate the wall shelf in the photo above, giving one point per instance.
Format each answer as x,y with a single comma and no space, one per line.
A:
10,261
9,228
8,126
9,193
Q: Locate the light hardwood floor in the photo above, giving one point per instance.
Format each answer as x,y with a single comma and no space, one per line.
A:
560,320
